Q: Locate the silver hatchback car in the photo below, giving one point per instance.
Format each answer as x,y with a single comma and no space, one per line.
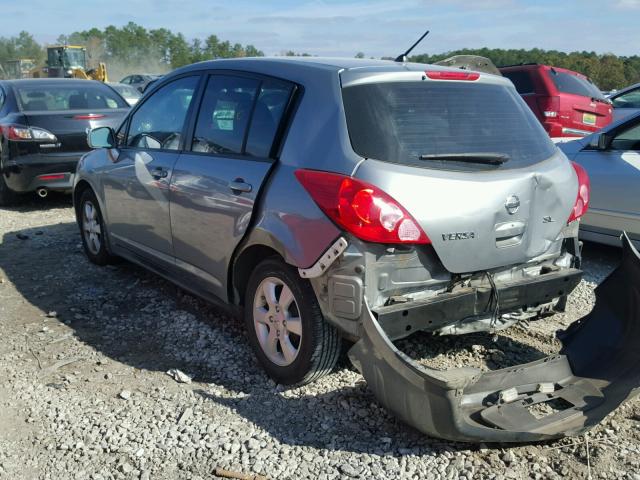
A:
332,199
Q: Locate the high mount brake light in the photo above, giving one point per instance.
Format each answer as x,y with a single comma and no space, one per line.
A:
584,190
448,75
89,116
361,208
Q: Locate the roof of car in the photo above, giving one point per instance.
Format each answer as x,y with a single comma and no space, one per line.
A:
321,63
48,81
624,90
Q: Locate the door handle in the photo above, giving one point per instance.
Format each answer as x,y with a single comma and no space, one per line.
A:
159,173
240,186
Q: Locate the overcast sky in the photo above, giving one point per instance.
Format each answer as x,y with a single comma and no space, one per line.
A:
343,28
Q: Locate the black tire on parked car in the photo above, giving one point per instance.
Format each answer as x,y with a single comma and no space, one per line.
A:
92,229
290,337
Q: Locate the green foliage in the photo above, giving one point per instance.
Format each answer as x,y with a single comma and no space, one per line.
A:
131,47
22,46
608,71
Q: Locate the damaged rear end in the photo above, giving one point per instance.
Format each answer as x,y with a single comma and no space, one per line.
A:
597,369
463,217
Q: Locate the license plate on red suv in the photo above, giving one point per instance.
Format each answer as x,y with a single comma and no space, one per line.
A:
588,119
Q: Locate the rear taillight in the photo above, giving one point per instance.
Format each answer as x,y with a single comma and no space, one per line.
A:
361,208
584,190
21,133
549,106
452,75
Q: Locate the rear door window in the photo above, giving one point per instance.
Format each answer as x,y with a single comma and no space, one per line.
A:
224,114
2,97
159,122
412,122
522,81
575,85
61,97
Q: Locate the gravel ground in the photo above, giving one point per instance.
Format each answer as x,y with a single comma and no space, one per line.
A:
84,394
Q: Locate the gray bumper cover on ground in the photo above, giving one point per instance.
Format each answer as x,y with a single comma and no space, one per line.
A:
597,369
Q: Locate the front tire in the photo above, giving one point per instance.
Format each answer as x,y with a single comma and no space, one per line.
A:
289,335
92,229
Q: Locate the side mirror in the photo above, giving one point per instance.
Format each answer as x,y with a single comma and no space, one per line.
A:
601,141
101,137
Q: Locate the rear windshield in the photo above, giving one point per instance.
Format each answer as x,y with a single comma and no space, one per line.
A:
570,83
401,122
38,97
522,81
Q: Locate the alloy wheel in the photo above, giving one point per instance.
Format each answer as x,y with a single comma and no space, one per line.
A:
276,318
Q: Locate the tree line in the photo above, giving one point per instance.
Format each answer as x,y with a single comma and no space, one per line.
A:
159,50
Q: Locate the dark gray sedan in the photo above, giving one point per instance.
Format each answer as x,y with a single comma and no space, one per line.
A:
611,157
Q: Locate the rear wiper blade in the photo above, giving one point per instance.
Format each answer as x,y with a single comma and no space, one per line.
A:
488,158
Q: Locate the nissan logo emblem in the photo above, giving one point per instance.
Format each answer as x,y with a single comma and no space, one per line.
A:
512,204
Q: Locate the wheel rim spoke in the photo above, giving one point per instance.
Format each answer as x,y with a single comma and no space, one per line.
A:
269,291
286,297
261,315
294,325
272,343
288,350
88,211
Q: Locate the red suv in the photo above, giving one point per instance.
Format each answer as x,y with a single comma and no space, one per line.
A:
566,102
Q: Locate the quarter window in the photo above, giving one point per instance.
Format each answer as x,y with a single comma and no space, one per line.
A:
270,107
224,114
159,122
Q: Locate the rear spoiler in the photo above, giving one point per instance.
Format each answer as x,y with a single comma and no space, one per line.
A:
596,371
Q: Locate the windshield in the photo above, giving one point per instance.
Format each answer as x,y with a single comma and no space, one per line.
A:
66,58
444,125
59,97
571,83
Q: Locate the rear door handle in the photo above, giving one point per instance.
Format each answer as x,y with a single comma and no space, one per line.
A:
159,173
240,186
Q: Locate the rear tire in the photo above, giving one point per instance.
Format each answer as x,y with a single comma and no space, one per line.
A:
92,229
290,337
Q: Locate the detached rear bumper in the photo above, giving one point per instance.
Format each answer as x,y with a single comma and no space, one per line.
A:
596,371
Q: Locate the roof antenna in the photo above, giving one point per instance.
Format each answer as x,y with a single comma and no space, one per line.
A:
403,58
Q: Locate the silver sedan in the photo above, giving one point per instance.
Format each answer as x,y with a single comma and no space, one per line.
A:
626,101
611,157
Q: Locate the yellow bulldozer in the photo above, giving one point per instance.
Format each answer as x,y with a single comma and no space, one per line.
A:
69,61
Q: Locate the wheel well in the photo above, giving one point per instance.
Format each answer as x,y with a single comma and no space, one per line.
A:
244,266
